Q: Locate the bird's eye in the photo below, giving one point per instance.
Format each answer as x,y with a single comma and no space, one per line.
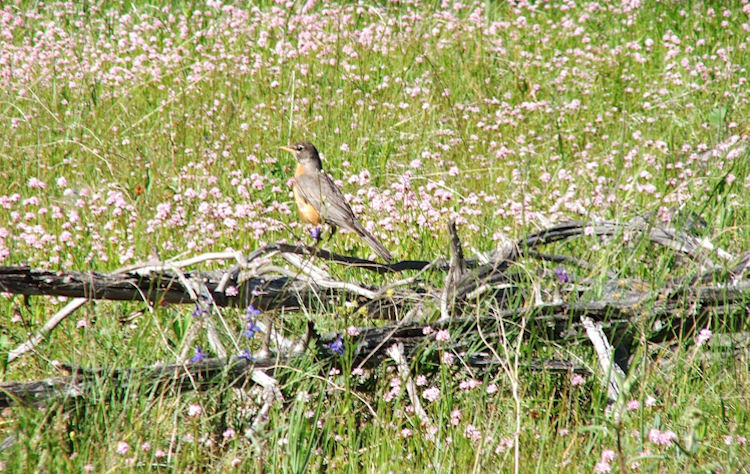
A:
299,147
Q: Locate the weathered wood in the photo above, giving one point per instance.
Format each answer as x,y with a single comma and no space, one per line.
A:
371,348
623,306
163,287
180,377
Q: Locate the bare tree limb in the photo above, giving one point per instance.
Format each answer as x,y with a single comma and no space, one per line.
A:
622,306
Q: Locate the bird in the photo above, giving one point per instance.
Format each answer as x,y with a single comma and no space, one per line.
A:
320,200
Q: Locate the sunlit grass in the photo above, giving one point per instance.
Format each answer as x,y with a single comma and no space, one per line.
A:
139,132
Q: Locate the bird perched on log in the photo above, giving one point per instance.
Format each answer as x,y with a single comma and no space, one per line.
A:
320,200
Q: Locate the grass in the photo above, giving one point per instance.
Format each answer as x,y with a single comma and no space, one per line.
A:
136,131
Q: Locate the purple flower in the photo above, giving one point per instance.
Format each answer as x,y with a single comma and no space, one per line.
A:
199,355
562,274
337,346
246,355
251,329
198,312
315,233
251,311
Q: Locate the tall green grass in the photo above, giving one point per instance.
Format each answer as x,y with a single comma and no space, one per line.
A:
156,130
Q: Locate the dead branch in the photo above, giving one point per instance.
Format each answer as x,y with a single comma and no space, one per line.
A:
179,377
675,308
371,349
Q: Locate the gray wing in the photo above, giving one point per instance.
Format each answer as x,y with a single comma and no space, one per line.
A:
323,195
320,192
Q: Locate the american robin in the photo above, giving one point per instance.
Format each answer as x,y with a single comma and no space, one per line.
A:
320,200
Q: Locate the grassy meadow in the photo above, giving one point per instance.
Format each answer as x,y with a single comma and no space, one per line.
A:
133,132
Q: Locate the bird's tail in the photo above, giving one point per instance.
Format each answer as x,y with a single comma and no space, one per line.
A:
373,242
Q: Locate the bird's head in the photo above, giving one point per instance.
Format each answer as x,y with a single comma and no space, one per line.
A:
306,154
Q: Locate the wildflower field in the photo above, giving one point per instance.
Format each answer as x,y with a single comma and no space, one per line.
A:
134,132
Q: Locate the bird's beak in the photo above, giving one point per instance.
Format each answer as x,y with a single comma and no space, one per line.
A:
290,150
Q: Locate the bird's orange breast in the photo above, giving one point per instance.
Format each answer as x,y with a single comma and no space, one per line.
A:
299,171
306,211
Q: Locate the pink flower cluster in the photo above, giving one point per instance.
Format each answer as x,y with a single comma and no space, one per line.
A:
663,438
222,184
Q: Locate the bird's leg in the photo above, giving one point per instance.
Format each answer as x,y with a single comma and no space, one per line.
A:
333,232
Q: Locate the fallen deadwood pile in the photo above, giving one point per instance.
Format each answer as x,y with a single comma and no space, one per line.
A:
482,296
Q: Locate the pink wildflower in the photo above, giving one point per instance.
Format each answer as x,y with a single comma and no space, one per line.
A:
665,438
704,336
122,448
36,183
472,433
576,380
455,417
194,410
443,336
431,394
